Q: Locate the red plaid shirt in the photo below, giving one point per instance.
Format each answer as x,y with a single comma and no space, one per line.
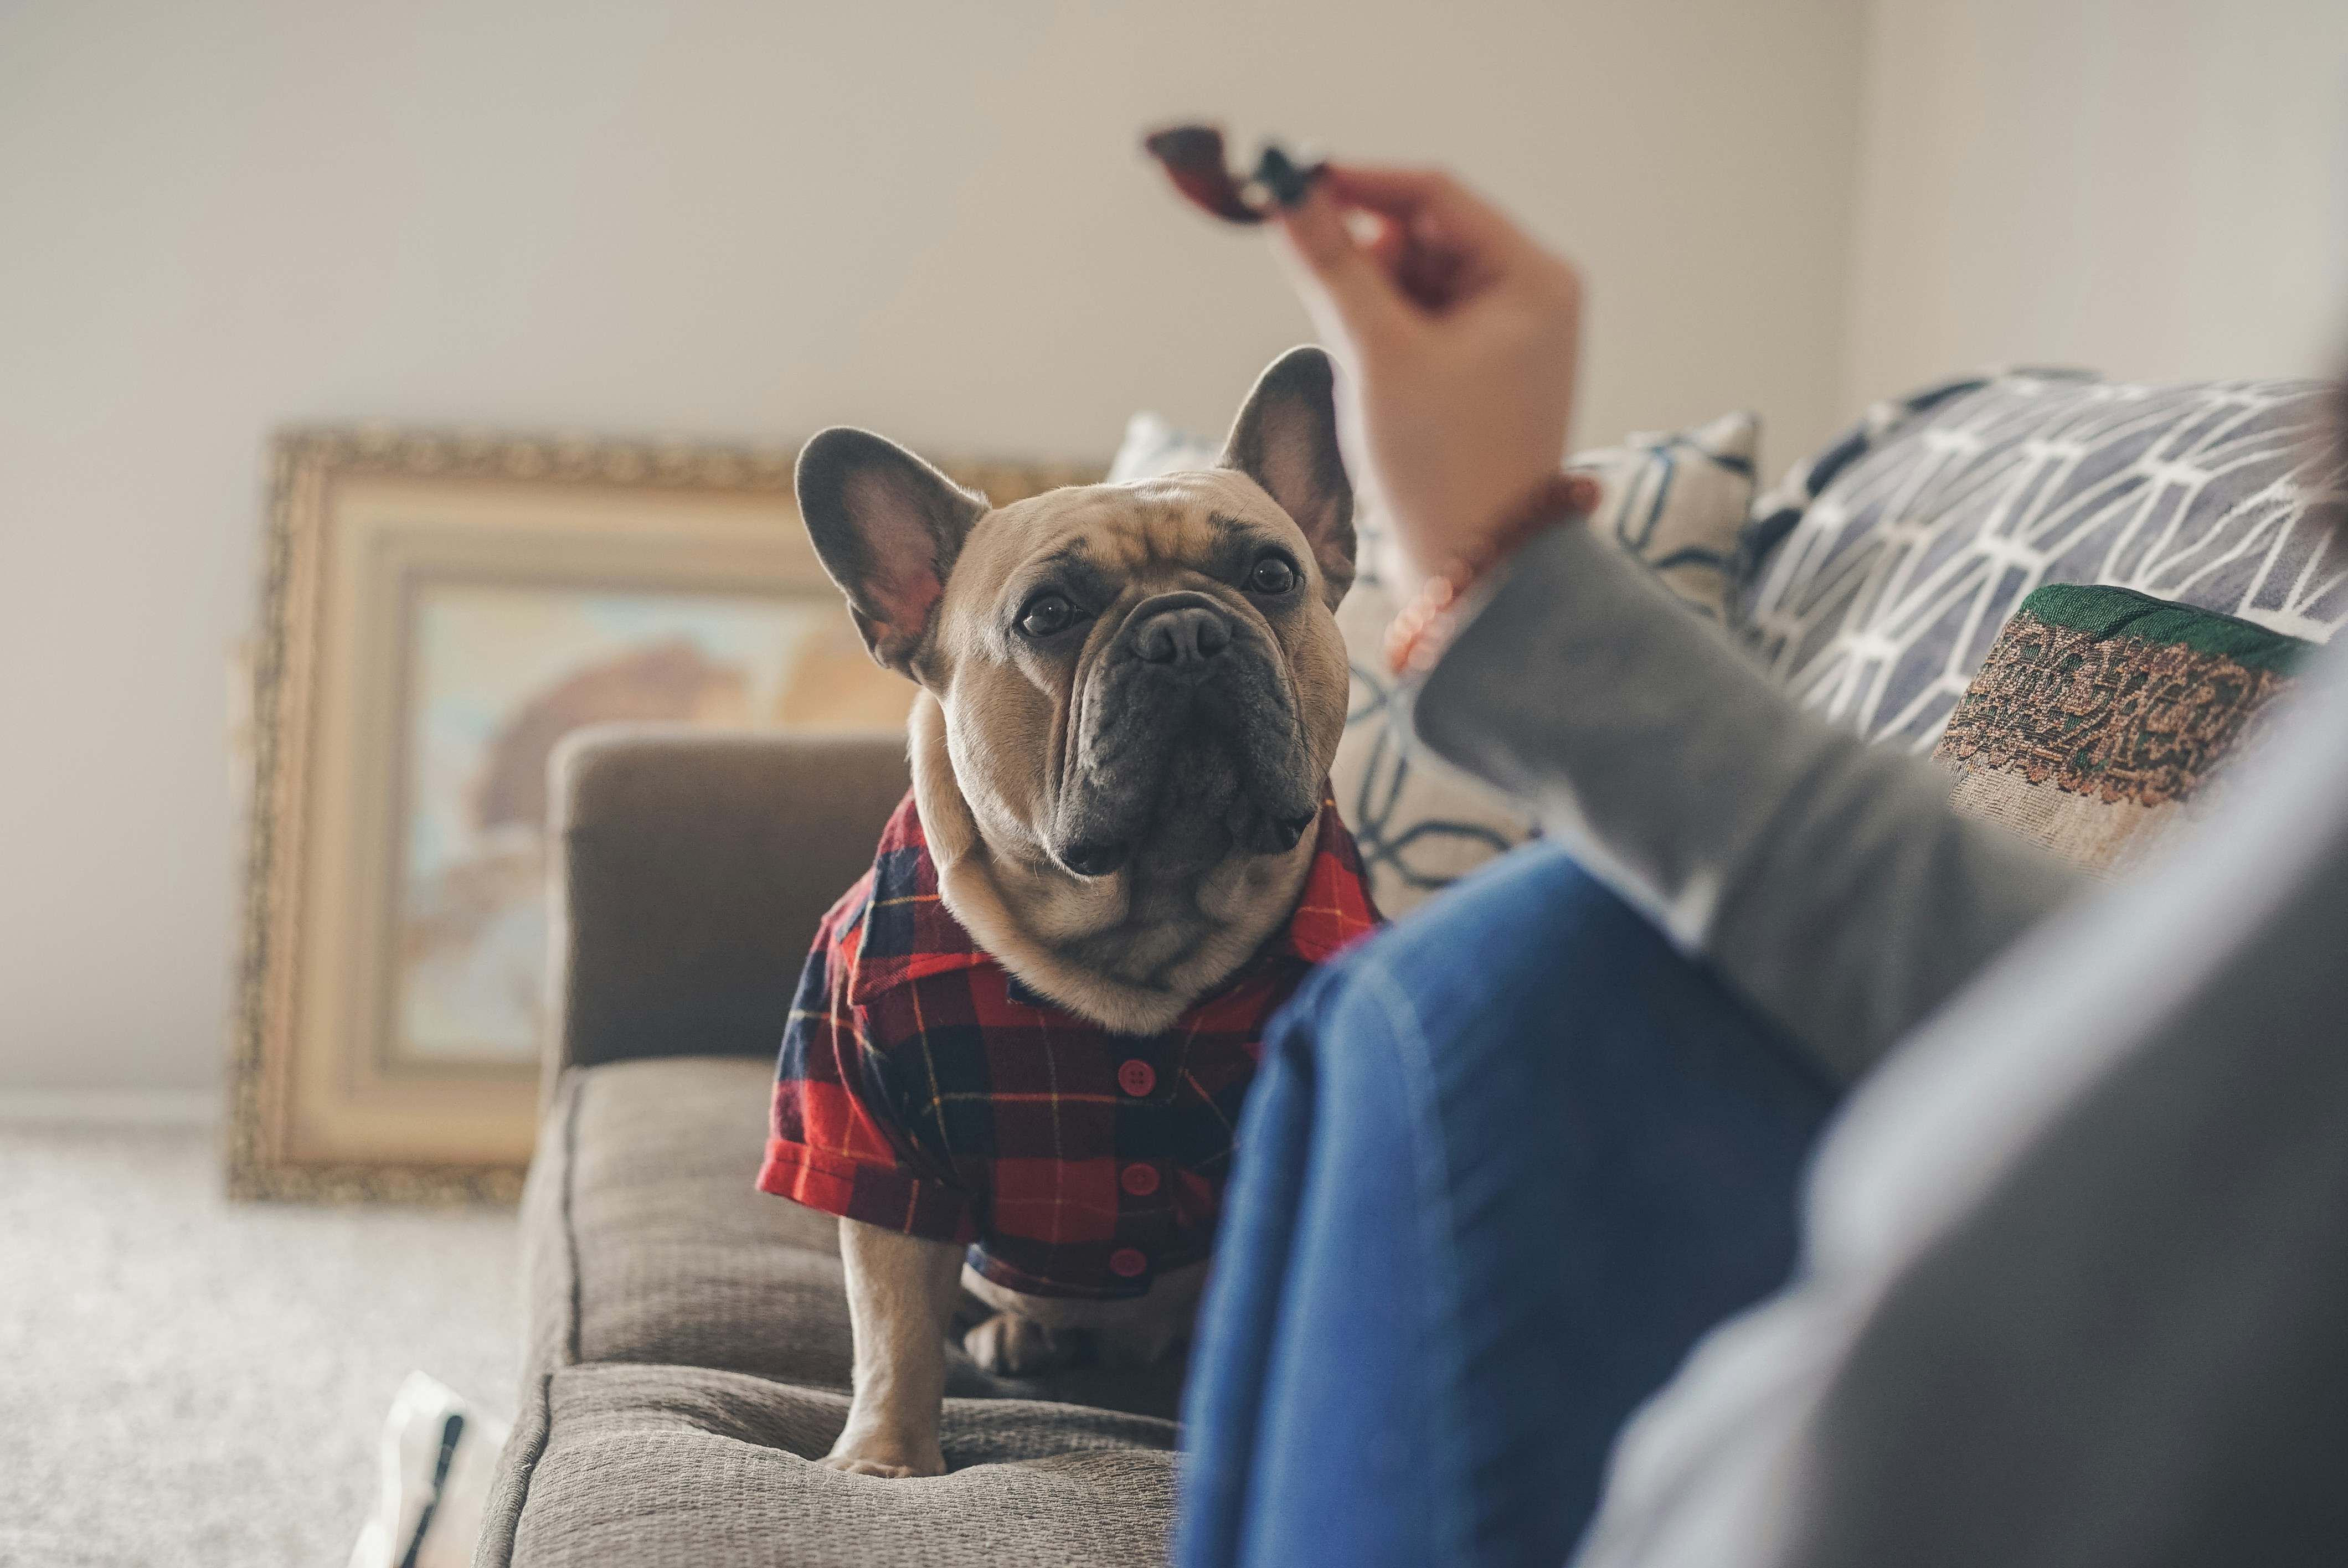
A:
924,1090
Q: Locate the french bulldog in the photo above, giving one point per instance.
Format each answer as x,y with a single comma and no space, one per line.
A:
1130,697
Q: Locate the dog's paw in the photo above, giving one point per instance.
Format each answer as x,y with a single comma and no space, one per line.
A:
850,1464
877,1451
1013,1347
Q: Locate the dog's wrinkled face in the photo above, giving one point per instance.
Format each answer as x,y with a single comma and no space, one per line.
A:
1142,670
1146,675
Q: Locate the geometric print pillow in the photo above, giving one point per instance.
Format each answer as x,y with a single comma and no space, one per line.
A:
1676,501
1877,577
2102,717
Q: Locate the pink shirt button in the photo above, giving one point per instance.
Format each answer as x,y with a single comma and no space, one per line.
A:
1124,1263
1139,1179
1137,1078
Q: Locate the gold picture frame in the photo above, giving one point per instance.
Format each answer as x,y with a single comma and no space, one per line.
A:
438,609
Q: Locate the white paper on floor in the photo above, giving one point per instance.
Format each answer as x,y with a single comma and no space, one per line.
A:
439,1453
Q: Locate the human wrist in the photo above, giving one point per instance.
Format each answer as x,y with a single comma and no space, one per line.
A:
1419,633
1463,515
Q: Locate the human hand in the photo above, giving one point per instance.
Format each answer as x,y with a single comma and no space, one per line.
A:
1461,333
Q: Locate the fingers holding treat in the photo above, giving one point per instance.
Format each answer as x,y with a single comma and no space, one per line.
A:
1459,332
1437,242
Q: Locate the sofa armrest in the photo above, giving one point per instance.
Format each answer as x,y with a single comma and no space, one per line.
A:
692,868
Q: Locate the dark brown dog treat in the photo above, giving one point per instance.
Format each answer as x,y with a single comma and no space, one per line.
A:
1194,159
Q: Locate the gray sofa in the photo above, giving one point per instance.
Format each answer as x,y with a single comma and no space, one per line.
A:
687,1351
688,1347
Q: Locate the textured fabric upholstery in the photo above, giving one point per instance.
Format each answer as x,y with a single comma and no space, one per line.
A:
695,864
680,1258
662,1465
688,1355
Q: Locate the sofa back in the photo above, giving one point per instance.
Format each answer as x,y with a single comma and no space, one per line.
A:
695,866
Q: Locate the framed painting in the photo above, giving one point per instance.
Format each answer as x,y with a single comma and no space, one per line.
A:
440,612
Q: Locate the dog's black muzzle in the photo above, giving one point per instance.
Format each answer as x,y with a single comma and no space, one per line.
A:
1181,641
1188,729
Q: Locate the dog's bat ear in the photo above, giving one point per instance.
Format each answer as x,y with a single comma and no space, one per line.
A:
887,526
1285,439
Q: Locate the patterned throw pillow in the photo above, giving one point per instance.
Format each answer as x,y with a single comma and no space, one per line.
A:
1878,574
1676,501
2101,714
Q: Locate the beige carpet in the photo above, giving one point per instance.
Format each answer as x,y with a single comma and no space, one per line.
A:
184,1380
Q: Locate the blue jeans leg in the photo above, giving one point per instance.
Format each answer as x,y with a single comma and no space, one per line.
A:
1504,1165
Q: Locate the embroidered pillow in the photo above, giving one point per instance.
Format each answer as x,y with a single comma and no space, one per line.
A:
1676,501
2102,716
1876,576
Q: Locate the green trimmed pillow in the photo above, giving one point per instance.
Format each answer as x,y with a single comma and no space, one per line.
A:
2102,716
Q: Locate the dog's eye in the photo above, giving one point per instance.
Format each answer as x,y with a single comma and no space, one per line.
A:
1273,576
1046,615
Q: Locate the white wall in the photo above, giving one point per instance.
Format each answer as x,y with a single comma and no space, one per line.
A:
727,220
2153,188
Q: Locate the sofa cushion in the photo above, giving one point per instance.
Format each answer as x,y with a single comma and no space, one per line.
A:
667,1464
689,1342
1884,567
681,1260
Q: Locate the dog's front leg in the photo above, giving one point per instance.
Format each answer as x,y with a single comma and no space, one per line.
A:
900,1291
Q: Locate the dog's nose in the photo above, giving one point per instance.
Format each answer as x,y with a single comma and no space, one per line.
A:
1189,634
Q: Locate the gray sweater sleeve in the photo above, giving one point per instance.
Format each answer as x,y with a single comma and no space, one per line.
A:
1827,880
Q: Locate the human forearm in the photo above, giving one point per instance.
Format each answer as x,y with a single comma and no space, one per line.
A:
1827,880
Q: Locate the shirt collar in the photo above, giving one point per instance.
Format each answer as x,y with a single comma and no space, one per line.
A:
906,933
1334,910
